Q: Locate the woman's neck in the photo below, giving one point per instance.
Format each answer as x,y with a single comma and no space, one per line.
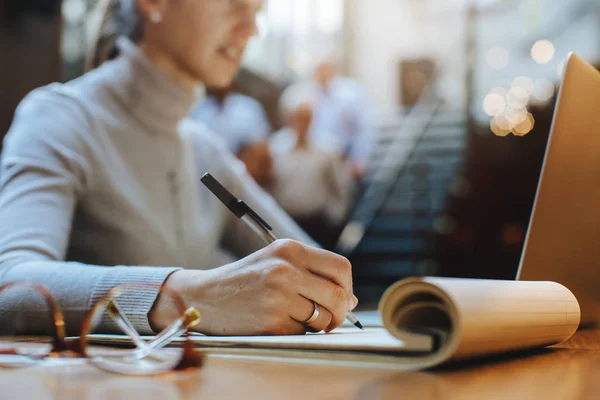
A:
157,99
167,66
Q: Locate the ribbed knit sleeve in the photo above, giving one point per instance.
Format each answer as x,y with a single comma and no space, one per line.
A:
45,168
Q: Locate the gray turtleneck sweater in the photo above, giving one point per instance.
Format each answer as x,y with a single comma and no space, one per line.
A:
99,185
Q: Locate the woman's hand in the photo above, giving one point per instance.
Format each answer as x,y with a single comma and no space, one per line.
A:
269,292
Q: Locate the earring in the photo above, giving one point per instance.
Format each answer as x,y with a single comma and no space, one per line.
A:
155,17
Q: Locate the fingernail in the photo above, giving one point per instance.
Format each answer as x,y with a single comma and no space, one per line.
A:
355,300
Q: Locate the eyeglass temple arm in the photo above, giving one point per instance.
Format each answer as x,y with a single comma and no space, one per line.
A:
190,318
114,311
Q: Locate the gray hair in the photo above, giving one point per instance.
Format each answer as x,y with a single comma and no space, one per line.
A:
120,18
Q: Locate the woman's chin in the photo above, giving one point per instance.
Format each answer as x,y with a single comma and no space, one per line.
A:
219,71
220,76
219,80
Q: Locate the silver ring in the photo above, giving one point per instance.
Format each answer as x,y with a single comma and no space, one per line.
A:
314,316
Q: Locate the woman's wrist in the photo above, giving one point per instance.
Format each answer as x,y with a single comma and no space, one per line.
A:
165,311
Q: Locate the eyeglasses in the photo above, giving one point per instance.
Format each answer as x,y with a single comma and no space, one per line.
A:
147,358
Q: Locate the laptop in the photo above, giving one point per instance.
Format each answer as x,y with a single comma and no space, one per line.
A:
563,239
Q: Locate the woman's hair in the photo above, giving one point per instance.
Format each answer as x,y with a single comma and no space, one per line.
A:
118,18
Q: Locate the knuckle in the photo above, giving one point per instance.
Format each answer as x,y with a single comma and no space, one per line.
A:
279,273
281,268
285,248
346,265
325,320
339,296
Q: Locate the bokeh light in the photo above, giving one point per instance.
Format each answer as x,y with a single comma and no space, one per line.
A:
517,98
525,83
517,121
509,107
515,117
494,104
525,126
500,125
497,57
542,51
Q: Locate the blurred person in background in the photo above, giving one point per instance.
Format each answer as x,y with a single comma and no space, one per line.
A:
236,118
100,185
258,160
341,120
242,123
313,185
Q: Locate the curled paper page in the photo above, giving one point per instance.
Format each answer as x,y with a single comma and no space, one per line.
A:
469,317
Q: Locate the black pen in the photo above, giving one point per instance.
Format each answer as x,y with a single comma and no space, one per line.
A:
252,219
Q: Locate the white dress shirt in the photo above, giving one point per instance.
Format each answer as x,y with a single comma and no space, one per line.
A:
312,181
238,121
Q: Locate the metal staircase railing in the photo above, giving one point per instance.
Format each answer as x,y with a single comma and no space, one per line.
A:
384,174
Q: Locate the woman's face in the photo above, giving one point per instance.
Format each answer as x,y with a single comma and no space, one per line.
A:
206,39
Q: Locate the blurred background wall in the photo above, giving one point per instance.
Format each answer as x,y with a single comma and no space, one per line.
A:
30,34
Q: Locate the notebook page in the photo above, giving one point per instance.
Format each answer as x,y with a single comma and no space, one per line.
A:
497,316
341,339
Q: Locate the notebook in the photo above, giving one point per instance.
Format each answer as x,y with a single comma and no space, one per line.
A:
426,322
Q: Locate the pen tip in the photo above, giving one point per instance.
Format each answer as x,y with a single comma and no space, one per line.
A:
359,325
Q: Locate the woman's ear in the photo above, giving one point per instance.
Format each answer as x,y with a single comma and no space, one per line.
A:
152,10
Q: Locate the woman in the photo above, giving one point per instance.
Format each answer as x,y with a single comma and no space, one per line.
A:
103,172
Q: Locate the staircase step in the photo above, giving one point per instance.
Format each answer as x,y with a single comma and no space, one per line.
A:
433,206
391,246
393,269
402,224
437,153
439,183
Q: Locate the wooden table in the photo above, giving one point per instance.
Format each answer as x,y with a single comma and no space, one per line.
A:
567,371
